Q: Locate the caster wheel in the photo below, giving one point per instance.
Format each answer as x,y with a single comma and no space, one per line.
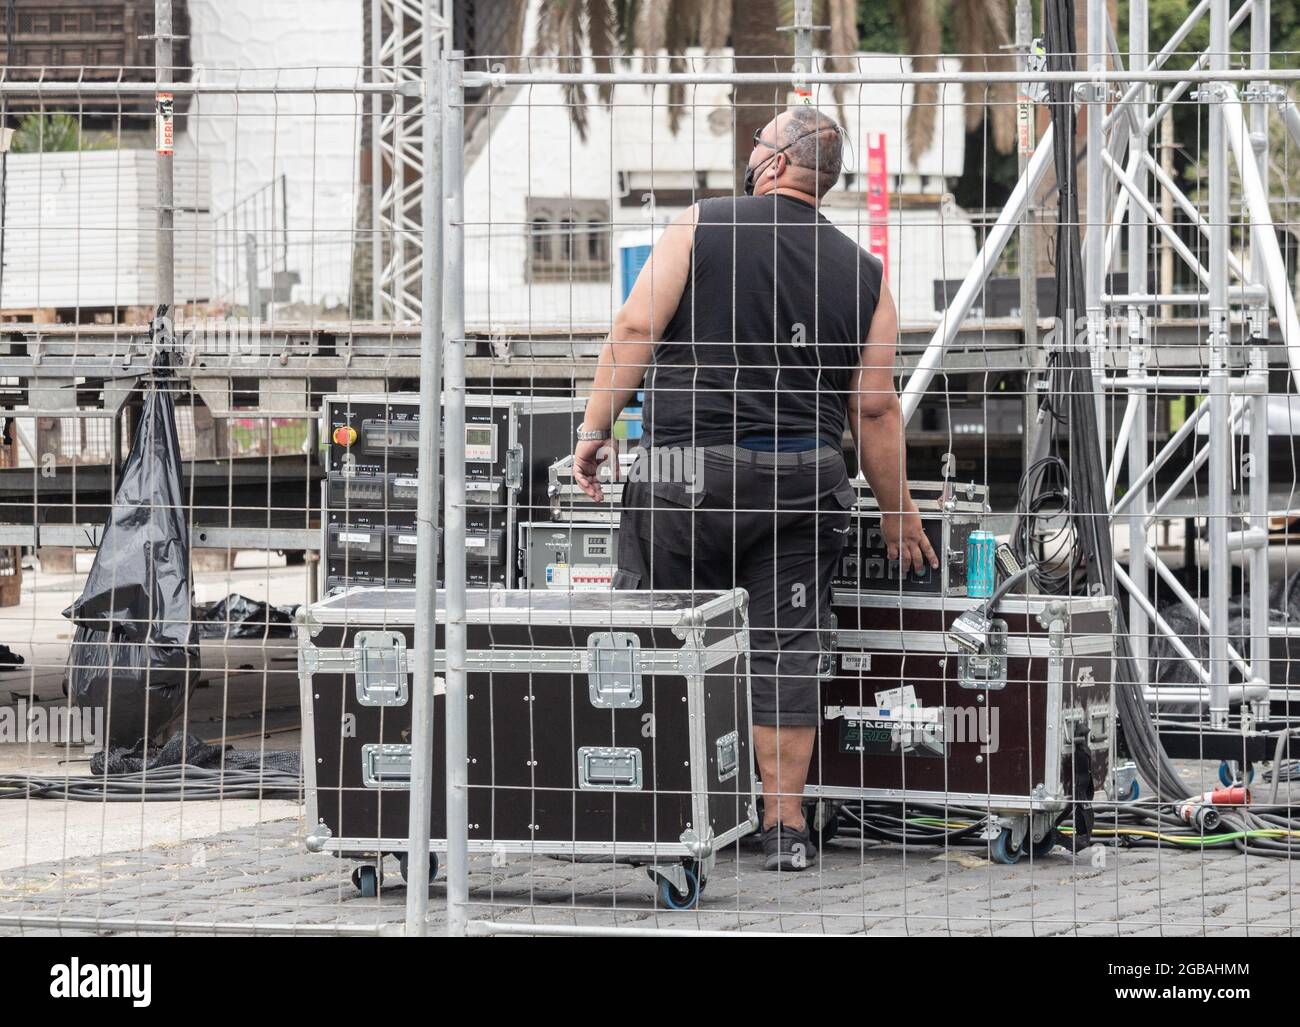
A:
433,866
1000,851
366,879
1228,774
671,898
828,830
1037,850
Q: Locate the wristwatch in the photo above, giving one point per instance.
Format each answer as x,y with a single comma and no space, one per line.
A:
589,435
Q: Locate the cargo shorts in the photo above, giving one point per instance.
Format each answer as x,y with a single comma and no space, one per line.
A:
774,524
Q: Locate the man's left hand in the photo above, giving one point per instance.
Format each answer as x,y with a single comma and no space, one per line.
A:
587,458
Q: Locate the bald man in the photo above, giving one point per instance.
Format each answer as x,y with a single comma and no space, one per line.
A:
759,331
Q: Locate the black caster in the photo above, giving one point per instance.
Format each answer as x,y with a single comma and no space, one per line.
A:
433,866
1039,849
366,879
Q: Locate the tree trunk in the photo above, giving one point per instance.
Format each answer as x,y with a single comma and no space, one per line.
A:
756,40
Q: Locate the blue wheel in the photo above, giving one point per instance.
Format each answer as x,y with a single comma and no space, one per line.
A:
670,897
1002,852
366,879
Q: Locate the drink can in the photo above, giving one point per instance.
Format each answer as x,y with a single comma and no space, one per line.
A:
981,565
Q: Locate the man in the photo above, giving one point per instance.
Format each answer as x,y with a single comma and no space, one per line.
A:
758,330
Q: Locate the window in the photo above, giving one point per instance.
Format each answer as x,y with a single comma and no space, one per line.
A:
568,240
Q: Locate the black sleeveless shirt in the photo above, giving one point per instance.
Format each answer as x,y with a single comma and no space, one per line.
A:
769,331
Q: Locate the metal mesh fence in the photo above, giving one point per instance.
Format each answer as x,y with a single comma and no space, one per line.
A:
905,548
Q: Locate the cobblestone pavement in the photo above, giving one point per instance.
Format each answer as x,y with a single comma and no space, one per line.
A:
262,878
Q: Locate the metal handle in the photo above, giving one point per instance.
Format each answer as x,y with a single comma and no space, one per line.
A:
379,664
386,766
606,769
614,675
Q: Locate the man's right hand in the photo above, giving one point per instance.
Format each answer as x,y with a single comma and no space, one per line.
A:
587,459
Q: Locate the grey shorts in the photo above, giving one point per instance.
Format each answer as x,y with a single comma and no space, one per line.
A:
774,524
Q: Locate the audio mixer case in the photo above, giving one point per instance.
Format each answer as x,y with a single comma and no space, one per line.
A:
370,488
609,724
1021,730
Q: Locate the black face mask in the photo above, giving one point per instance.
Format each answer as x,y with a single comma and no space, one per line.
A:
752,172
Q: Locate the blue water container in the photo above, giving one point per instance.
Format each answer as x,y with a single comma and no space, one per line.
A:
981,564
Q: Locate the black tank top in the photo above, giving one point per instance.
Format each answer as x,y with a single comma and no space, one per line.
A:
769,331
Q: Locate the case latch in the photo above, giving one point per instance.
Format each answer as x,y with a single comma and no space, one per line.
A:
515,468
386,766
608,769
986,669
379,664
614,670
826,661
728,755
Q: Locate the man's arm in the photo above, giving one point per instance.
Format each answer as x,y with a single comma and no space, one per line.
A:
626,355
876,421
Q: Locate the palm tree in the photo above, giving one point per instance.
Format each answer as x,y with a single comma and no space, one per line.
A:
568,29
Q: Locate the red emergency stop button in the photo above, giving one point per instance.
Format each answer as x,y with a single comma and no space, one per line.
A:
345,435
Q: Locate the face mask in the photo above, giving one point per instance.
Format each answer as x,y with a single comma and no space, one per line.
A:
752,172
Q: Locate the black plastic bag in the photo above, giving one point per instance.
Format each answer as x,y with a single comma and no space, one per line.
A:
237,616
135,653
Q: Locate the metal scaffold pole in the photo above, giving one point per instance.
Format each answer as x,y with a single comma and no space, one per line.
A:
1220,450
1138,327
165,252
453,271
426,559
1258,479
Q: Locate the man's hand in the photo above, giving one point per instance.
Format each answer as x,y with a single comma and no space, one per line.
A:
588,456
905,539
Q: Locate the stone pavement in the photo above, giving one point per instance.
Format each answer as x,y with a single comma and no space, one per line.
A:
261,878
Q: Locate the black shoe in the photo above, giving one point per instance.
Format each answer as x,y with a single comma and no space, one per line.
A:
784,848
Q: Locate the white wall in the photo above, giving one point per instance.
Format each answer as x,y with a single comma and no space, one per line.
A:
534,150
315,141
80,230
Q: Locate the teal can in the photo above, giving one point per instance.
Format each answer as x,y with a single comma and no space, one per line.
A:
981,564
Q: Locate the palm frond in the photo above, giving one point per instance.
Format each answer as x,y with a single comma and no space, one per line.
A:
602,40
842,16
560,28
652,29
715,24
988,31
922,33
682,27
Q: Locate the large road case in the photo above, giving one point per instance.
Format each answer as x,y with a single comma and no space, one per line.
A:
607,724
1021,730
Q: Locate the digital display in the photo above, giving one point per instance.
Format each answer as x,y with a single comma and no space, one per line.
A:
480,442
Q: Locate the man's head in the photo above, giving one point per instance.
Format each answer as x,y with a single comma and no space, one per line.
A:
799,149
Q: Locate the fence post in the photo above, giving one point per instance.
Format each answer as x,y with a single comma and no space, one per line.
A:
453,270
426,558
164,255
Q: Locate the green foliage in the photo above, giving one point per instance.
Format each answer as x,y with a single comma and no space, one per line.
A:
56,133
878,28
